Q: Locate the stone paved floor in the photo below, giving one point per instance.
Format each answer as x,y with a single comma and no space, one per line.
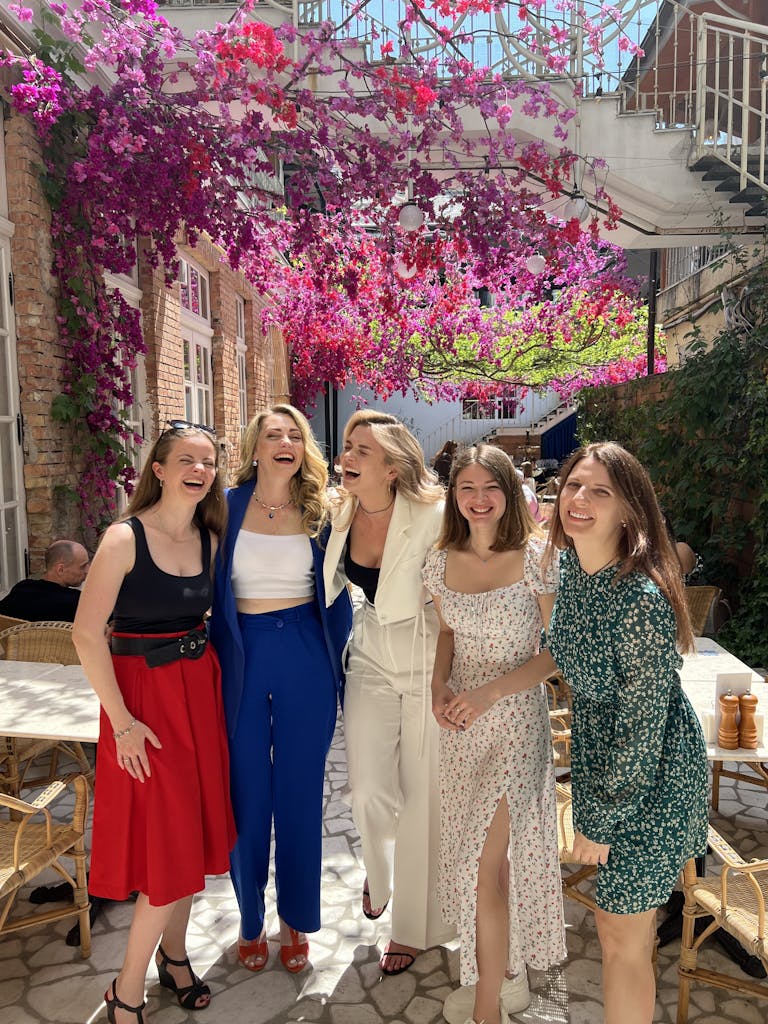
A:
43,980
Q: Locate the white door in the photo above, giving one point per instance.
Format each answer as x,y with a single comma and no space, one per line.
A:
13,526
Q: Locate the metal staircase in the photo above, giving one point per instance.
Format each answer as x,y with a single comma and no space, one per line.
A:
694,102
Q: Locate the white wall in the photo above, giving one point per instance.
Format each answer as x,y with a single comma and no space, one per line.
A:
433,424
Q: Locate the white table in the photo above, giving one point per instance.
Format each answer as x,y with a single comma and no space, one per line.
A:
43,701
698,676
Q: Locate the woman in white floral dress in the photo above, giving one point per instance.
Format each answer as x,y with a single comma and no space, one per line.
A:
499,876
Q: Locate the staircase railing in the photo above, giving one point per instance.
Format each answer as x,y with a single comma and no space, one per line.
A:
731,86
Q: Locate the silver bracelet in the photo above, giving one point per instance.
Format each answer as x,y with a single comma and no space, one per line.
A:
124,732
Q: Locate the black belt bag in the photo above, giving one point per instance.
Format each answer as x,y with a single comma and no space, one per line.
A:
162,650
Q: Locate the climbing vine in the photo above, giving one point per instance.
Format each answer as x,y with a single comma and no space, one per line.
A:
705,444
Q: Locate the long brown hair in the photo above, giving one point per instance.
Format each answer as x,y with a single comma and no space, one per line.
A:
644,545
211,511
307,488
517,523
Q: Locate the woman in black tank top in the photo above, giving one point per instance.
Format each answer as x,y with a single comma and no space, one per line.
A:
162,817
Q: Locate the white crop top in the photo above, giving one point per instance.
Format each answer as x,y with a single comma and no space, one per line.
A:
270,565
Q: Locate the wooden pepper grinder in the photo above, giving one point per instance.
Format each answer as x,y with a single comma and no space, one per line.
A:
728,731
747,728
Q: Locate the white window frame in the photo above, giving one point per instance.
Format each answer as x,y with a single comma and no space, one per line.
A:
14,557
241,355
196,341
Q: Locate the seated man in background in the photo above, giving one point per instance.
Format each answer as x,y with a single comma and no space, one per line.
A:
54,597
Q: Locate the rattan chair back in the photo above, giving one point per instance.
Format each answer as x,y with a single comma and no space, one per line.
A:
6,621
735,900
32,839
699,601
40,641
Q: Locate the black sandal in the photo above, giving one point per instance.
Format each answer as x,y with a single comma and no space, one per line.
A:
367,913
189,994
115,1003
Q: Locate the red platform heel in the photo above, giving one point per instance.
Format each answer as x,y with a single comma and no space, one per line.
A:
296,951
253,955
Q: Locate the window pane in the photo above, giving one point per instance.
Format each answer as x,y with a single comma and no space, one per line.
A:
194,290
187,369
203,297
8,491
10,525
189,412
5,375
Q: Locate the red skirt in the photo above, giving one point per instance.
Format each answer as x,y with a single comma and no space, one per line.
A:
164,835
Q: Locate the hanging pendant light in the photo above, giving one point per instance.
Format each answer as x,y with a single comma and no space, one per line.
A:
411,217
535,264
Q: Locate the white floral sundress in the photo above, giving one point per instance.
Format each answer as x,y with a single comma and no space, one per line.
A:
506,752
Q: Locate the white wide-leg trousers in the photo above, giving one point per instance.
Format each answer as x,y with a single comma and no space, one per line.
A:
392,743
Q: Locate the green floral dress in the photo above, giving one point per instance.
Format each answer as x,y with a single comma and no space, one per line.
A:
639,765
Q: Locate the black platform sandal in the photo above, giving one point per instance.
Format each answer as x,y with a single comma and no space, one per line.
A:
189,994
115,1003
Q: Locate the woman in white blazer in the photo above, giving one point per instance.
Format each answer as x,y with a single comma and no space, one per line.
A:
389,517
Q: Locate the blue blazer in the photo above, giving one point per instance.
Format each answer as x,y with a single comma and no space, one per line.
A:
225,631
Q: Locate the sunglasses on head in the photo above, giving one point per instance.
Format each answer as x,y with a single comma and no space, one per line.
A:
186,425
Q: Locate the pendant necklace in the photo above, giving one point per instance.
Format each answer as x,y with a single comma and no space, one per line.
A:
376,511
485,561
271,509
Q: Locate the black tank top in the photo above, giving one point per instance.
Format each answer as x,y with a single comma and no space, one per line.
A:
362,576
153,601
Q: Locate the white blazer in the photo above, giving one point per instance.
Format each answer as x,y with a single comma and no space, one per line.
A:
413,531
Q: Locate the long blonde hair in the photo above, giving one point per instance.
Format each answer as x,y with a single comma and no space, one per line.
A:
211,511
307,488
414,479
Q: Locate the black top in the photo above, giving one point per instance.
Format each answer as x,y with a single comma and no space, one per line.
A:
40,601
362,576
153,601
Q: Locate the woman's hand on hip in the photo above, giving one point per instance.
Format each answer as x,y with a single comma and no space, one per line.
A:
466,707
587,852
131,751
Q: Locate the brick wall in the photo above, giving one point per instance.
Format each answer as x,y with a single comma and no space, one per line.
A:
50,466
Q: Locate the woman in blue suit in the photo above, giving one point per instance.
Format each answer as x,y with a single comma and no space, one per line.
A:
281,658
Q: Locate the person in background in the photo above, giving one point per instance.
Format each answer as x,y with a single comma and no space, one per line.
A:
639,767
499,879
55,596
529,491
442,461
389,517
162,817
281,655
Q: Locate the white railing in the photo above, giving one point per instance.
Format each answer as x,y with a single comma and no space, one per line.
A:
470,426
732,60
684,262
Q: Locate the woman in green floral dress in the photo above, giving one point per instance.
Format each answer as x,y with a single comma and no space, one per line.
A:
638,758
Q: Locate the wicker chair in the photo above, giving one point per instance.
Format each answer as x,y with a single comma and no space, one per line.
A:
560,717
736,899
6,621
699,601
47,642
40,641
28,847
583,872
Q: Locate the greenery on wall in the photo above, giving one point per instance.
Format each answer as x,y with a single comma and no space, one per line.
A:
705,443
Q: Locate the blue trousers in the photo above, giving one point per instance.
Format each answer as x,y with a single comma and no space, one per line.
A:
277,765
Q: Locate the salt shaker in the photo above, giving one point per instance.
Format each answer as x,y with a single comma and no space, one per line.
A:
728,731
747,727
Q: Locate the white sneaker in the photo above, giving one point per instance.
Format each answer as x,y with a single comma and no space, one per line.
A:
515,996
